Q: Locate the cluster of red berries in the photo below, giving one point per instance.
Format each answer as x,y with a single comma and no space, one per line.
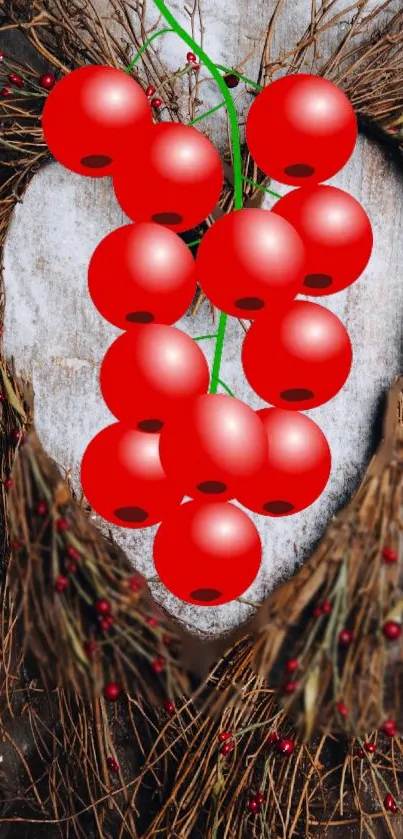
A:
46,81
172,439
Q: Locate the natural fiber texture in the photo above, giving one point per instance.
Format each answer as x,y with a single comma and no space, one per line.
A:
60,735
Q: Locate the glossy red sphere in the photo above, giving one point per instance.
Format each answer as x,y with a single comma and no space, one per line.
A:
178,182
297,358
213,446
150,373
123,480
296,469
246,261
336,232
301,129
142,273
207,554
93,116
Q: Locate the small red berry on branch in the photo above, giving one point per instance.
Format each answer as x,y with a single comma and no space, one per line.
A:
286,746
231,80
389,727
156,102
8,483
42,508
150,90
135,584
292,665
169,707
259,797
73,553
389,556
112,691
61,584
326,607
273,739
226,748
254,806
191,57
158,664
47,81
106,623
6,93
392,630
291,687
90,648
113,764
390,804
103,606
346,637
15,79
62,524
342,709
224,735
370,748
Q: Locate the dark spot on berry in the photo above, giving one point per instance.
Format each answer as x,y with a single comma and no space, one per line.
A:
278,507
296,394
140,317
212,487
96,161
133,514
249,303
205,595
167,218
299,170
318,280
150,425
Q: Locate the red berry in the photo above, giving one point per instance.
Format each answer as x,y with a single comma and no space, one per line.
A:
169,706
15,545
150,90
42,508
154,276
273,738
390,804
217,552
292,665
259,797
178,163
135,584
61,584
112,691
296,468
389,556
191,57
167,640
342,709
113,764
247,261
152,622
286,746
317,612
301,129
318,214
2,397
15,79
158,664
16,436
253,805
47,81
326,607
392,630
345,637
72,567
389,728
227,748
360,753
213,447
196,67
167,368
291,687
106,623
1,55
73,553
370,748
8,483
90,648
111,110
62,524
307,341
224,735
135,491
156,102
103,607
6,93
231,80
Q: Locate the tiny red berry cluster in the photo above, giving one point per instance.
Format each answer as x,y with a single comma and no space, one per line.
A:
172,438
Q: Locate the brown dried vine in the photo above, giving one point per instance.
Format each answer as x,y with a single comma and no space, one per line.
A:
140,767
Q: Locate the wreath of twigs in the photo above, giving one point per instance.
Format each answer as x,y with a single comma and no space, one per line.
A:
174,755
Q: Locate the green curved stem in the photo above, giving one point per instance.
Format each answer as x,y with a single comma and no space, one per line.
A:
144,47
263,188
225,386
236,156
205,337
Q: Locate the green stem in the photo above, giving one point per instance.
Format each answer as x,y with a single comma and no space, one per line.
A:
228,389
144,47
263,188
236,155
207,113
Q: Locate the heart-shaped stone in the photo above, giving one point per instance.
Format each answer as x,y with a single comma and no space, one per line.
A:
58,341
